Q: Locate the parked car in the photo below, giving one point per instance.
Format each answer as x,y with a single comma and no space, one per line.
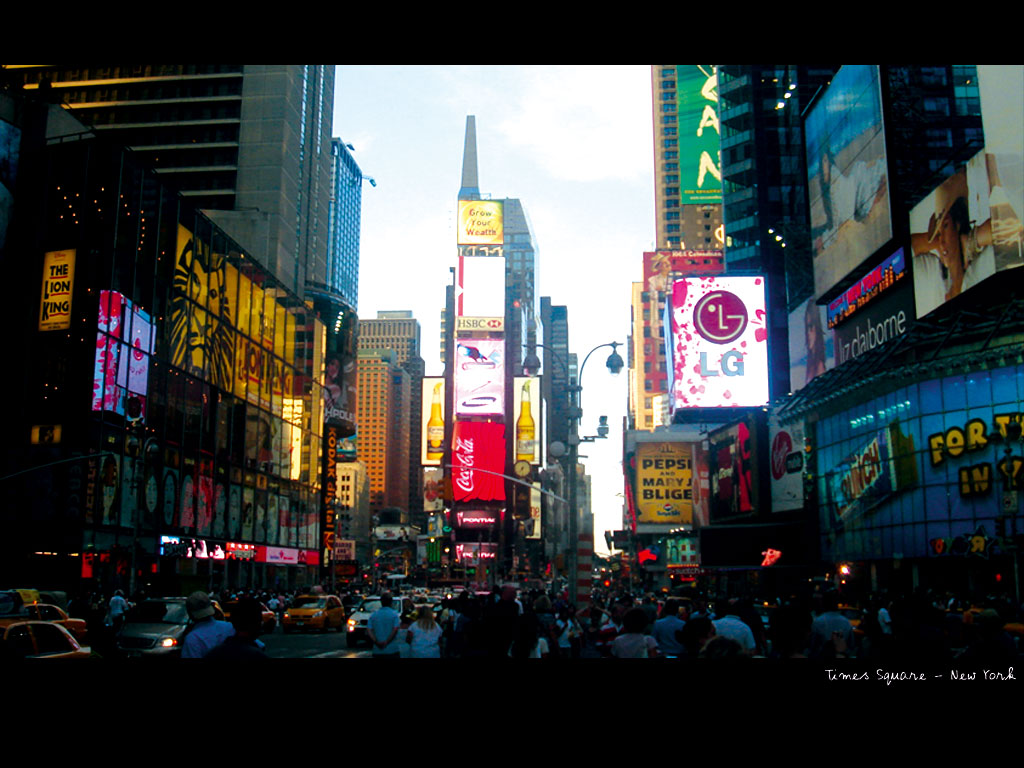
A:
40,640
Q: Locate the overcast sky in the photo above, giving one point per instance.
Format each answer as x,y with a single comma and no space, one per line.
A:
573,143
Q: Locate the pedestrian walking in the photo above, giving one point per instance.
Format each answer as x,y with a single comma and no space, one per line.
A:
244,644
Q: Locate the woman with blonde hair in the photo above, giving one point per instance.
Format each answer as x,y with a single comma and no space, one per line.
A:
424,635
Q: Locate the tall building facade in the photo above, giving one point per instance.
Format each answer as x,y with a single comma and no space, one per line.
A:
687,175
765,187
400,331
248,144
171,392
344,224
383,428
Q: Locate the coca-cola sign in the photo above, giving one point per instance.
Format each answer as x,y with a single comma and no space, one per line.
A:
478,456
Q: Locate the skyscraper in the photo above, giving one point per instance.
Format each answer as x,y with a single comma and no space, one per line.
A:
247,144
687,175
344,225
383,428
400,331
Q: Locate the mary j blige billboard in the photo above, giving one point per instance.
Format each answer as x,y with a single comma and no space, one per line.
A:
848,180
719,342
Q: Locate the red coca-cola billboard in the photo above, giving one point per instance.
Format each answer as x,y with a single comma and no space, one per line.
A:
478,446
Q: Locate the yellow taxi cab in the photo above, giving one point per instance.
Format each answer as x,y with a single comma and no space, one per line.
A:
57,615
40,640
320,612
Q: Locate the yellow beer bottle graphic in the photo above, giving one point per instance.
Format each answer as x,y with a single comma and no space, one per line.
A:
435,427
525,428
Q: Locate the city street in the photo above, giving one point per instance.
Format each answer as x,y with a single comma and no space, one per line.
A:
310,645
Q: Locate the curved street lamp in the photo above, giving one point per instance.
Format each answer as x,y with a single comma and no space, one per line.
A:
614,363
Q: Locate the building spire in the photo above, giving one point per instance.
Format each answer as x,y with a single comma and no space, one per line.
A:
470,181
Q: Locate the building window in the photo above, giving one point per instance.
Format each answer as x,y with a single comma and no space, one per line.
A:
669,132
670,143
671,191
668,119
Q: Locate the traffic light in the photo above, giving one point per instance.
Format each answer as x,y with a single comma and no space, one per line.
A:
608,539
602,426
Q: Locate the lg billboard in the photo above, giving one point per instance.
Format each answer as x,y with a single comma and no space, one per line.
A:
719,342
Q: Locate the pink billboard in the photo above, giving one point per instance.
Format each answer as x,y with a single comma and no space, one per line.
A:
719,342
478,446
480,377
123,346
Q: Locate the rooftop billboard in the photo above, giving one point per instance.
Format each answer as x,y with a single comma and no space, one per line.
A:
700,155
848,180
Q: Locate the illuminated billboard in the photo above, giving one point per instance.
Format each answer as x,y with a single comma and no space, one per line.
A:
480,287
661,268
123,346
432,421
848,179
481,222
787,465
733,465
480,377
811,346
478,458
719,342
966,230
58,283
664,483
700,156
882,278
526,418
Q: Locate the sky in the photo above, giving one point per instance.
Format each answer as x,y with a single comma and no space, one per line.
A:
573,143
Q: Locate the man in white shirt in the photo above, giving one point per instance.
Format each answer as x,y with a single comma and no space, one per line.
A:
731,625
382,627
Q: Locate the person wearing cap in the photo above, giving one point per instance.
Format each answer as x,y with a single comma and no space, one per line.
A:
207,632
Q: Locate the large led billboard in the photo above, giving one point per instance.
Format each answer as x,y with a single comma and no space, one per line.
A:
478,459
700,156
480,287
719,342
526,418
480,377
848,180
661,268
123,346
969,227
734,471
481,222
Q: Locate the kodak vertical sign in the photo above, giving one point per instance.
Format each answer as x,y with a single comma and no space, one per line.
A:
58,281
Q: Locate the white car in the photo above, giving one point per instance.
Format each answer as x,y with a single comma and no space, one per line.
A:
356,629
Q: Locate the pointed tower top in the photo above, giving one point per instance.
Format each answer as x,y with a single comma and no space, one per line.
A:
470,181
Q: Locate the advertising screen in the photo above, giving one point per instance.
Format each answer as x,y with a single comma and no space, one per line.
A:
340,372
700,158
884,319
58,283
882,278
478,446
480,287
664,483
476,518
532,527
480,377
662,268
123,346
848,180
472,553
787,465
526,418
967,229
719,342
733,466
481,222
811,347
432,421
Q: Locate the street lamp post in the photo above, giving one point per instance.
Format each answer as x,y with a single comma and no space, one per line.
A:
614,364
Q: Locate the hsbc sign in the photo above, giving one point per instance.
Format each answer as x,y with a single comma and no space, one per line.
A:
480,324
